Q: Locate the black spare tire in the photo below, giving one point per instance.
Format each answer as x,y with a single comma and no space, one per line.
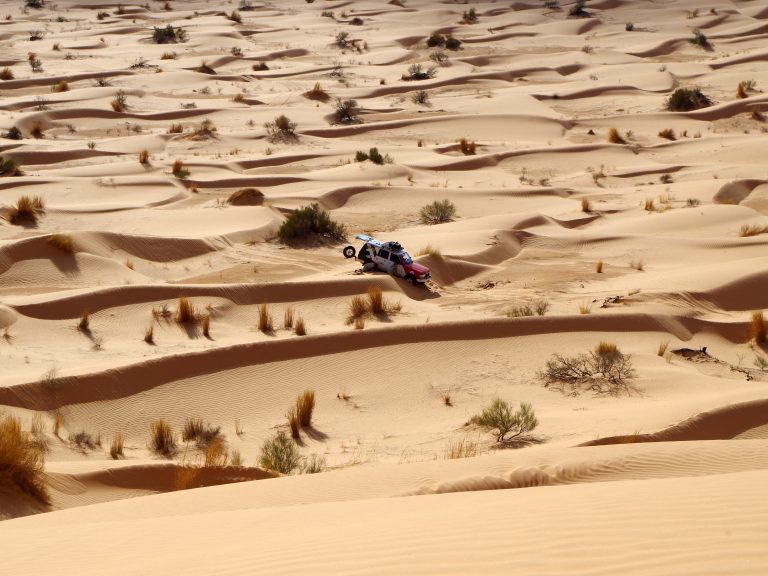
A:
349,251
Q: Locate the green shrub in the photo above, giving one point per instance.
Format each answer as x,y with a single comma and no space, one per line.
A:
280,454
500,418
310,220
686,99
169,35
438,212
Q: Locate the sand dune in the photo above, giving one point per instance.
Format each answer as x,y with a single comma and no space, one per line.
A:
589,212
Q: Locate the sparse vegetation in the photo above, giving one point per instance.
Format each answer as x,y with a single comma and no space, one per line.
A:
178,169
604,370
22,462
687,99
246,197
265,322
162,440
305,406
10,167
699,39
281,129
614,137
467,147
280,454
503,420
169,35
120,102
299,327
317,93
63,242
464,448
186,312
346,111
307,221
438,212
418,72
84,441
758,328
662,349
747,230
586,206
144,157
288,315
668,133
27,210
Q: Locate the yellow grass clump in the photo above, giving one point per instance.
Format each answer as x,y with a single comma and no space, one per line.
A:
144,157
376,300
293,423
662,349
586,205
216,454
299,327
116,446
305,406
288,315
607,349
84,324
207,325
162,440
265,319
753,230
758,329
149,334
27,209
585,308
317,93
21,462
357,307
614,137
467,147
186,312
464,448
60,86
430,250
599,267
62,242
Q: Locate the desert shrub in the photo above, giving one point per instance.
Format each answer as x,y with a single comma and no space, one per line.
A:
700,39
299,327
758,328
317,93
281,129
246,197
293,423
469,16
346,111
204,68
162,440
501,418
36,131
36,4
179,170
149,334
144,157
464,448
62,242
439,57
342,39
10,167
752,230
520,311
265,323
84,440
116,446
629,26
452,43
186,312
361,156
586,206
35,35
288,315
687,99
376,302
467,147
667,133
235,17
215,454
169,35
60,86
375,156
604,370
358,307
260,67
417,72
168,56
420,97
280,454
541,306
599,267
578,9
21,462
356,21
436,40
202,433
13,134
438,212
692,202
27,209
120,102
176,129
614,137
309,220
313,465
206,131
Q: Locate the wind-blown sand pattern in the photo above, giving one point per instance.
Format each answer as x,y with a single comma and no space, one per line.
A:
624,222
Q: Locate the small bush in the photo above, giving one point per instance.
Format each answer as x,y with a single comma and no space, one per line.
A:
436,40
578,9
586,206
418,72
168,56
439,57
752,230
84,324
541,306
692,202
520,312
203,434
162,440
421,97
358,307
699,39
60,86
452,43
629,26
281,129
169,35
604,370
27,209
499,416
687,99
309,220
178,169
346,111
13,134
317,93
62,242
144,157
265,324
21,462
599,267
120,102
215,455
313,465
668,133
176,129
438,212
280,454
10,167
469,16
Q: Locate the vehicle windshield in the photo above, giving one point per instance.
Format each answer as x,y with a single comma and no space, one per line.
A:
406,258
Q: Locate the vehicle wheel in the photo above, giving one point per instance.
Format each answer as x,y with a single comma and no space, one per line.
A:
349,251
412,279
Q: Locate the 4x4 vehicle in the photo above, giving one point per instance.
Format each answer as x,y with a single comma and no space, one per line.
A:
389,257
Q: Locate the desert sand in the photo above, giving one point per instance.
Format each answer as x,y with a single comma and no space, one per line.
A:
586,212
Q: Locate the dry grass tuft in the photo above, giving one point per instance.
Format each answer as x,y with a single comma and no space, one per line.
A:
586,206
162,439
649,205
599,267
144,157
464,448
6,74
246,197
84,324
662,349
758,329
741,91
585,308
27,209
21,462
300,328
305,405
293,423
614,137
317,93
60,86
637,265
606,349
359,323
752,230
358,307
149,334
668,133
185,477
62,242
288,315
37,130
176,128
265,319
186,312
376,300
178,169
207,325
216,454
116,446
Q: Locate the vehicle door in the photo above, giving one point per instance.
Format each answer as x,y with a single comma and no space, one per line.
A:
382,260
395,266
